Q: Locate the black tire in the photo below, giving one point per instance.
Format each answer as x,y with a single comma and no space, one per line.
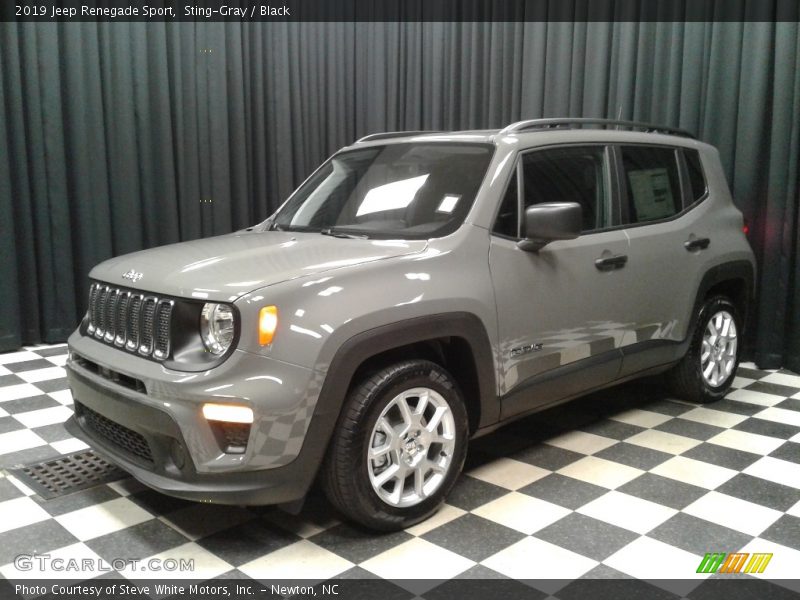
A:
686,379
345,474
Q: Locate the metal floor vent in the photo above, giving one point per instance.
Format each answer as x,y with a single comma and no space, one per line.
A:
67,474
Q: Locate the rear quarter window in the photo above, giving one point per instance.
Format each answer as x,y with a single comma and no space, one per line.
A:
697,178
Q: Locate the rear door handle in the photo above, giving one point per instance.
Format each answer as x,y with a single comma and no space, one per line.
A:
610,263
697,244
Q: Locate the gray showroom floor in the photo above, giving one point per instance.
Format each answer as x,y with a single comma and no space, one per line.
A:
627,482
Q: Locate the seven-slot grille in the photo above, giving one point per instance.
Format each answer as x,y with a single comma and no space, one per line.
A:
135,321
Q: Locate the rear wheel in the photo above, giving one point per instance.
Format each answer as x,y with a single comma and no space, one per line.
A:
398,447
706,372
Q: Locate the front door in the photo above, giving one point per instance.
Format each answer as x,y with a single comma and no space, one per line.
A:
562,311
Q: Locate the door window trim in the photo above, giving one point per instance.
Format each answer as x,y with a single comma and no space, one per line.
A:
615,173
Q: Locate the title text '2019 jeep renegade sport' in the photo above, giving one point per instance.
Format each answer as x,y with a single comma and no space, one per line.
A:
418,289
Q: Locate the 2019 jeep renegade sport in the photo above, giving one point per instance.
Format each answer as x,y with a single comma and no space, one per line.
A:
417,290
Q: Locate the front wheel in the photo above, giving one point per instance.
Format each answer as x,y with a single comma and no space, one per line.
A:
706,372
398,447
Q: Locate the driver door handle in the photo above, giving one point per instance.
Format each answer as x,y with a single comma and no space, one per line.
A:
610,263
697,244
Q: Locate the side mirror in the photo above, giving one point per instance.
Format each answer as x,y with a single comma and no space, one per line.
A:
550,221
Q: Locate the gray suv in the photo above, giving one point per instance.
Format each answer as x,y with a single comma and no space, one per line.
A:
419,289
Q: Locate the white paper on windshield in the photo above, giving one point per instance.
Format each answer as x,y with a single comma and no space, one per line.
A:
448,203
391,196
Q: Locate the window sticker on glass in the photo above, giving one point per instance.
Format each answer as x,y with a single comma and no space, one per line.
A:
448,203
391,196
652,195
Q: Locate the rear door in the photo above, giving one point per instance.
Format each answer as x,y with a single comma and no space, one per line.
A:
659,185
562,310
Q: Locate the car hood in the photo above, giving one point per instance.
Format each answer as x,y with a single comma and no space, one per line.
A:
225,267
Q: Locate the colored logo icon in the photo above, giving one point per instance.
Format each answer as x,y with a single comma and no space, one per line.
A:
735,562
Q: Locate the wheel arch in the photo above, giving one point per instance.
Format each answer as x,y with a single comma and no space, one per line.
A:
374,347
357,350
732,279
457,341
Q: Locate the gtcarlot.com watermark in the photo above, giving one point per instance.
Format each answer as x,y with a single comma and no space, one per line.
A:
45,562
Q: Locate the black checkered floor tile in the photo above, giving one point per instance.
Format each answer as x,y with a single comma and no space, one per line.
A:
624,483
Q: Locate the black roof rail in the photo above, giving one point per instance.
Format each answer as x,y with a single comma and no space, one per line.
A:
520,126
392,134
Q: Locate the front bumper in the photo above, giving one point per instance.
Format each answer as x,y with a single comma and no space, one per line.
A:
156,432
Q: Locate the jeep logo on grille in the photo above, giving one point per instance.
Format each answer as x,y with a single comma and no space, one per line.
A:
134,276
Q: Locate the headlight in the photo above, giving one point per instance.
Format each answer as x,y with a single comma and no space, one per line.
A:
216,327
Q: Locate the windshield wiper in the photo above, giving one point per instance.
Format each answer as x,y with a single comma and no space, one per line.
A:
341,234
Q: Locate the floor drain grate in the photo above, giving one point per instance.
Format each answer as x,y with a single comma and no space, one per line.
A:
67,474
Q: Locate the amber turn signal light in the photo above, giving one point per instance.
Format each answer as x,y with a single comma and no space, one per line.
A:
267,324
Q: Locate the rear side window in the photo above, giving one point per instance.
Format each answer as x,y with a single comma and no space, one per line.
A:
573,174
652,183
697,179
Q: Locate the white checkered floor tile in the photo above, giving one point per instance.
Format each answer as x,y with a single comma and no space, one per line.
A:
624,483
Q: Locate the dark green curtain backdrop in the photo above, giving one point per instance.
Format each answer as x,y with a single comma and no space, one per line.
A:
121,136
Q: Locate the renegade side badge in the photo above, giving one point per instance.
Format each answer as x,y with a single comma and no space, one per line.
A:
520,350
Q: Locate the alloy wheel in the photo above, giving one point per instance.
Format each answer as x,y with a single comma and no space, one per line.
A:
719,347
411,447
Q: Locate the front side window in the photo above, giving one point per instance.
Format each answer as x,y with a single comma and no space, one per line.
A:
652,183
406,190
571,174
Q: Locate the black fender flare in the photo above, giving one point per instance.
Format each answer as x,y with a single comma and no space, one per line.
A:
353,352
741,270
359,348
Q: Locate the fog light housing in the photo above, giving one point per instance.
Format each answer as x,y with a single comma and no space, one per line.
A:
177,454
231,437
230,424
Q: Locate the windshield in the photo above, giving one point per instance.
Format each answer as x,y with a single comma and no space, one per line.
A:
408,190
